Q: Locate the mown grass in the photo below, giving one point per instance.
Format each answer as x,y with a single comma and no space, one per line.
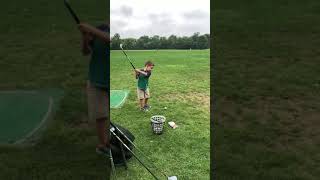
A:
266,84
180,82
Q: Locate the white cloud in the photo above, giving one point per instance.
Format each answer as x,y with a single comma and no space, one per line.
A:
134,18
196,14
126,11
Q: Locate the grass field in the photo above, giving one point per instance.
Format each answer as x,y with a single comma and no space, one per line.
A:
180,82
266,80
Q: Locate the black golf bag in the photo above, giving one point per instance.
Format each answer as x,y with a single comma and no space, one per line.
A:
122,149
118,151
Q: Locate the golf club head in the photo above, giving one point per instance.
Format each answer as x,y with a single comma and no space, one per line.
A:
112,129
172,178
121,46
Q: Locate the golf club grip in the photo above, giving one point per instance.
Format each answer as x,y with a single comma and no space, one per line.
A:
73,14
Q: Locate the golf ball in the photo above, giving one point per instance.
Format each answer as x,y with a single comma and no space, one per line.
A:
165,107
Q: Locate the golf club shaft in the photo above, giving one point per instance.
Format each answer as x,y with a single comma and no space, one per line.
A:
113,166
128,58
138,149
73,14
134,155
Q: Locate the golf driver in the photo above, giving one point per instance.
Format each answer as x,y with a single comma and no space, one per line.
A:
73,14
128,139
127,56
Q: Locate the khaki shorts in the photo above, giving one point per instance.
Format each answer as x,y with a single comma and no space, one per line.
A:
143,94
98,102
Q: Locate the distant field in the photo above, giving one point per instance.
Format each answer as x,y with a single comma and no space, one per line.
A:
180,82
266,87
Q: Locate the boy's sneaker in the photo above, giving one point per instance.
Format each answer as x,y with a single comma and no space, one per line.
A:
147,107
104,151
144,109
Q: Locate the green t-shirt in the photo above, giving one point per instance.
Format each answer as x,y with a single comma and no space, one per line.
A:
143,80
99,69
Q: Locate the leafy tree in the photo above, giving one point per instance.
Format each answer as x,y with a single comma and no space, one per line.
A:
196,41
129,43
154,42
163,43
142,42
172,42
202,42
115,42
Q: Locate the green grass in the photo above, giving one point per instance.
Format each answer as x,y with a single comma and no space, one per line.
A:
266,83
180,82
40,48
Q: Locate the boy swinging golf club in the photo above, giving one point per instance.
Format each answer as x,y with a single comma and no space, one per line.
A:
143,76
143,91
95,41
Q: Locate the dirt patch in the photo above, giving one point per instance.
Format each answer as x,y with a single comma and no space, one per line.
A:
290,122
200,99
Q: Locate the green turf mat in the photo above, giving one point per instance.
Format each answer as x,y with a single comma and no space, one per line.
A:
118,97
24,113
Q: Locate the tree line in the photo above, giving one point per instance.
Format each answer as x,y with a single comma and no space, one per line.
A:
196,41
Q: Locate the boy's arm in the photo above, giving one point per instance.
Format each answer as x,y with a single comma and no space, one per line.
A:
136,74
142,72
96,32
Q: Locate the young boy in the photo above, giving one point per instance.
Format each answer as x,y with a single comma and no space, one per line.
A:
143,92
95,41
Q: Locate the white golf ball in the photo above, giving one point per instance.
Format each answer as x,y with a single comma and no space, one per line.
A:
165,107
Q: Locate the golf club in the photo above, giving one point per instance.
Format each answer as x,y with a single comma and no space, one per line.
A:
114,134
73,14
127,56
113,166
128,139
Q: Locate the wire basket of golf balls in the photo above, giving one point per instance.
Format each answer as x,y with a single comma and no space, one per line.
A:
157,124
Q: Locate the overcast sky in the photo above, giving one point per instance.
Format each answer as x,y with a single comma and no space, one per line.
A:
135,18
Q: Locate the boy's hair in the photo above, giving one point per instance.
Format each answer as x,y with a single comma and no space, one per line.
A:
104,27
148,63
